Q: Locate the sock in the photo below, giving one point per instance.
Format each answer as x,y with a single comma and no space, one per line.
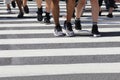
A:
94,23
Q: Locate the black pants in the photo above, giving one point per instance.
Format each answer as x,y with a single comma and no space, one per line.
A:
108,3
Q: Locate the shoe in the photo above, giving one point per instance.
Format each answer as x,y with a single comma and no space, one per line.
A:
9,11
115,6
13,4
26,9
68,29
100,12
95,31
77,25
39,14
58,31
20,15
110,16
47,18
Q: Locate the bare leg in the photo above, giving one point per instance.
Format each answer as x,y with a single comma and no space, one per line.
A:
55,11
95,10
70,9
19,3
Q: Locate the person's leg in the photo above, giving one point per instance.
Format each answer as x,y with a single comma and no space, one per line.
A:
79,11
25,7
55,11
70,9
55,14
100,4
48,6
40,10
67,24
19,3
8,8
106,4
7,3
111,8
48,10
110,12
95,12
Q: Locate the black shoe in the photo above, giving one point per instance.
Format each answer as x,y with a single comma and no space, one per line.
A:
47,18
26,9
68,29
39,14
77,24
115,6
95,31
13,4
58,31
110,16
100,12
20,15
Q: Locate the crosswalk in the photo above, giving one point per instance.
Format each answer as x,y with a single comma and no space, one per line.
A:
29,50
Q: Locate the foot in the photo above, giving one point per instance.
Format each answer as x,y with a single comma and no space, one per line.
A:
26,9
68,29
39,14
13,4
95,31
77,25
110,15
58,31
20,15
47,18
100,13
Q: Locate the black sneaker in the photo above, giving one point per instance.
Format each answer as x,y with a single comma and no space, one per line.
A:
47,18
39,14
95,31
77,25
13,4
110,15
68,29
20,15
58,31
26,9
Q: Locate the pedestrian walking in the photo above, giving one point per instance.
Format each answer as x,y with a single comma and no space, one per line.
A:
7,3
22,5
110,6
40,11
95,12
67,24
25,6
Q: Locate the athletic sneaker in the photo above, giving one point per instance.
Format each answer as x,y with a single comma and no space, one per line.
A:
68,29
77,25
26,9
58,31
47,18
110,15
39,14
95,31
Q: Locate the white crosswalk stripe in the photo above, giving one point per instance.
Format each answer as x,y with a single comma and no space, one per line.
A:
29,48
